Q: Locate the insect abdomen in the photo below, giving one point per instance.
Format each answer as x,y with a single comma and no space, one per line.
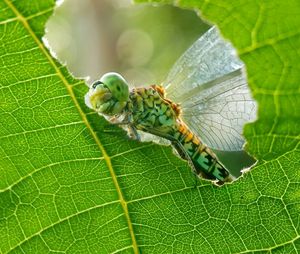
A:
204,160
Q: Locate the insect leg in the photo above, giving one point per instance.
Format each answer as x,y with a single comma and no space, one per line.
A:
177,146
120,123
181,151
132,132
183,154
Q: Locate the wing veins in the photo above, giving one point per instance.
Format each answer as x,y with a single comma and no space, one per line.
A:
211,84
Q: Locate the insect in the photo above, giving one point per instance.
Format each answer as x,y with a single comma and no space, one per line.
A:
203,104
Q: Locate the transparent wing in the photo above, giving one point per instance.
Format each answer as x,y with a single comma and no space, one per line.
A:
209,84
219,116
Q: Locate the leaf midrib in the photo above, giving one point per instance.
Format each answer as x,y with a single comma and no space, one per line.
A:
122,200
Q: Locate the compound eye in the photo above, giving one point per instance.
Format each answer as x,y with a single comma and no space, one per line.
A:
95,84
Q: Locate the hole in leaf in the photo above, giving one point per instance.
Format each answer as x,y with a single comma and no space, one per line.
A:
142,43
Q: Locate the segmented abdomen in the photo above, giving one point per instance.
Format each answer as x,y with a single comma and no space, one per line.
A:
204,160
154,113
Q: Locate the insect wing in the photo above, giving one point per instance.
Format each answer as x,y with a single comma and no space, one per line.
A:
219,116
209,84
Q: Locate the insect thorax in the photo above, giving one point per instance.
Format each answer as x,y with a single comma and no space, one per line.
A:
151,110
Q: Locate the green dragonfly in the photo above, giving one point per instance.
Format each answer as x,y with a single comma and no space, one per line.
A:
203,105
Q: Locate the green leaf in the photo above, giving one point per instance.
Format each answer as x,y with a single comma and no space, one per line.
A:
70,182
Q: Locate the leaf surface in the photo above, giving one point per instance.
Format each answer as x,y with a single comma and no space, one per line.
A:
70,182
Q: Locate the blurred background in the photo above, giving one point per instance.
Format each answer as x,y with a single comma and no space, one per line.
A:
141,42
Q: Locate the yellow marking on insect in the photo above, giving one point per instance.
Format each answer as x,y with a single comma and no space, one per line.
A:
182,129
196,141
189,137
200,147
160,90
